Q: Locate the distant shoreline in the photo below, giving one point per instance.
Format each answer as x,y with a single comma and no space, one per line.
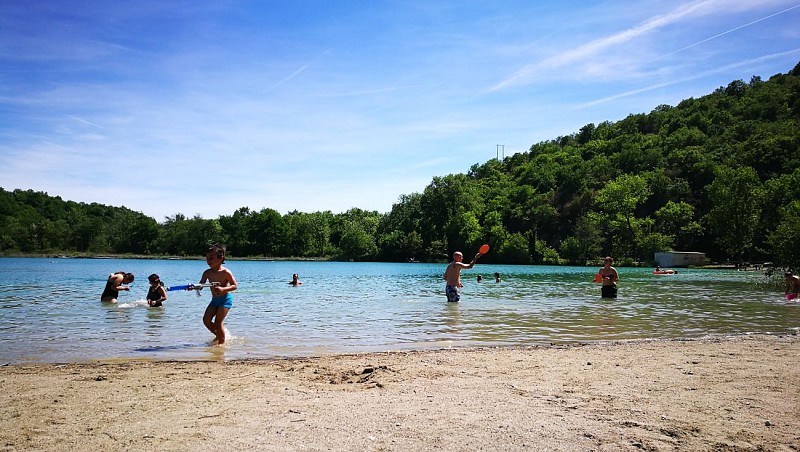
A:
727,266
155,257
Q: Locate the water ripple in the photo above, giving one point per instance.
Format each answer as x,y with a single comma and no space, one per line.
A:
51,307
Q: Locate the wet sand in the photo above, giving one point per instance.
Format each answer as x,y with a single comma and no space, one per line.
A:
726,394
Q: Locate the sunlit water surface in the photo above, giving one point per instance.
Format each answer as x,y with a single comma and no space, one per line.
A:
51,310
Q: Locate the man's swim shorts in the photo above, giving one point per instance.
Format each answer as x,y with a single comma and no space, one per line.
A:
452,294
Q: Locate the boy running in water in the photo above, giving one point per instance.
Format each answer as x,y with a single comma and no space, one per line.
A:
221,298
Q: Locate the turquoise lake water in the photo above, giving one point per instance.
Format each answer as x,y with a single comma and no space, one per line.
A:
52,313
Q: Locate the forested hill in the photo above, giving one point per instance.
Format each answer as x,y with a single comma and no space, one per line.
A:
718,174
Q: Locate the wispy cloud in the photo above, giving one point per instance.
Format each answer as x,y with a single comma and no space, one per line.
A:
365,92
352,106
427,163
718,35
696,76
593,50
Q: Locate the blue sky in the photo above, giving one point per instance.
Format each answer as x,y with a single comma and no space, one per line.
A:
203,107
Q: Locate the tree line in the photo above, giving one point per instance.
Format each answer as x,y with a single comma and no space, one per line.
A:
718,174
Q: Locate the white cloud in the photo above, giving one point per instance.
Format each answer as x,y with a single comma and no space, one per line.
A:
594,58
175,110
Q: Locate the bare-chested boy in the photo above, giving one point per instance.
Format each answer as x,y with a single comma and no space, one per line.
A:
221,300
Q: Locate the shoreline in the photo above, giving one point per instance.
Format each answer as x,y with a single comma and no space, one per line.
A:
594,264
722,393
219,353
158,257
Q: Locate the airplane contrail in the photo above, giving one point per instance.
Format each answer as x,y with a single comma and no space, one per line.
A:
602,43
729,31
290,76
84,121
686,79
302,68
592,47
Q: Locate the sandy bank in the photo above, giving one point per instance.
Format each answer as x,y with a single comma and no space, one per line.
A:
739,394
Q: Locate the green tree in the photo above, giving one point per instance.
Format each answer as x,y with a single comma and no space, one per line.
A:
618,200
785,239
175,236
650,242
308,235
587,242
236,230
464,232
676,220
133,232
494,233
736,196
398,246
266,233
779,192
572,251
530,214
443,199
357,244
514,249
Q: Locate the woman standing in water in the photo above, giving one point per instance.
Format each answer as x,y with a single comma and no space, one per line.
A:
608,279
114,285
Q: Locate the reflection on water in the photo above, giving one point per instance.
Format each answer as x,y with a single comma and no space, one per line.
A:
52,311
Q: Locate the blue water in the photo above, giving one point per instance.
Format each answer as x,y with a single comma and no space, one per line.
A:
51,310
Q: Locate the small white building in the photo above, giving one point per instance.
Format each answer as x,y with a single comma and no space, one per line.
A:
680,259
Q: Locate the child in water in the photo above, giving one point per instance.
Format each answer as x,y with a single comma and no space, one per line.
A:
295,280
792,285
156,294
221,300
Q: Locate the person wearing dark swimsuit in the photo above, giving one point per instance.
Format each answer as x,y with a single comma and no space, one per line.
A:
609,278
156,294
114,285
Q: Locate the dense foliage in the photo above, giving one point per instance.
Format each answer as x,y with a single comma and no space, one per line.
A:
718,174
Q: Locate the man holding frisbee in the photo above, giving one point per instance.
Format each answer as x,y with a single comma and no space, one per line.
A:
452,275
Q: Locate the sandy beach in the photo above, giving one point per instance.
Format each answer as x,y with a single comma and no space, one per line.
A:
723,394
